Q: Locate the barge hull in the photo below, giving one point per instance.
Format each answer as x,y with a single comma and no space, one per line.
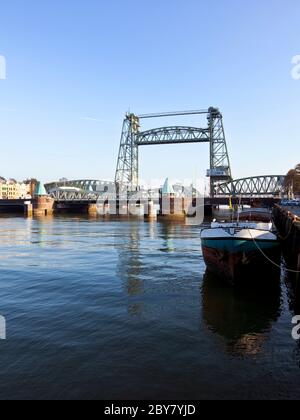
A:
243,263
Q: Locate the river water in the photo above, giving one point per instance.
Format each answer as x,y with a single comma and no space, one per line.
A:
124,310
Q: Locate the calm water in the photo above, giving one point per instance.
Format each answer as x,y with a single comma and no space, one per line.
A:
124,310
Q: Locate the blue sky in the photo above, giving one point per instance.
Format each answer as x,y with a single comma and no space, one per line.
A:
75,67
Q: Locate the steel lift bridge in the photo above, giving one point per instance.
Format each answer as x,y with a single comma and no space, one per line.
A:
127,173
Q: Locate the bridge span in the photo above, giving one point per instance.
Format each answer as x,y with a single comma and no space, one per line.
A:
257,186
210,130
267,186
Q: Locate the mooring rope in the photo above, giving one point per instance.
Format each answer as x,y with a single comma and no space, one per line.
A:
269,259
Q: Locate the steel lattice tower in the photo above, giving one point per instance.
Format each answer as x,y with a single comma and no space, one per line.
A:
220,169
127,173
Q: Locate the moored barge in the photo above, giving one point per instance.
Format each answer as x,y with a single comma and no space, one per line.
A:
241,252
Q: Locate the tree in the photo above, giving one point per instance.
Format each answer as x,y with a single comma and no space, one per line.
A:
30,181
292,182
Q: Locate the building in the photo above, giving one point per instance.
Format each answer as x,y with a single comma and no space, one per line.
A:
13,190
31,184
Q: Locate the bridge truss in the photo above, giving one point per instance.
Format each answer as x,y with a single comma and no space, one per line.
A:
127,172
93,190
270,185
79,190
88,185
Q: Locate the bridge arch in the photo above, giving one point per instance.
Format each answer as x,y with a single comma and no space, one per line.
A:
173,135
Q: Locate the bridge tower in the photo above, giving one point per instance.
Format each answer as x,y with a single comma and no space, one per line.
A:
127,173
220,169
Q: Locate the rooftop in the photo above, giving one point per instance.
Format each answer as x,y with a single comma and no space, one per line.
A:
40,190
167,188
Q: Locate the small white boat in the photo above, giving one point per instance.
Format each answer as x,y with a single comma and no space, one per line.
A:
240,251
256,215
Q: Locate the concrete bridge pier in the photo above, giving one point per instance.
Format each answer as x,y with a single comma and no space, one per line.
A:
171,207
42,204
28,209
151,211
92,209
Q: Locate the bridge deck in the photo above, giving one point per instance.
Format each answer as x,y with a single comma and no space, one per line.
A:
217,201
13,203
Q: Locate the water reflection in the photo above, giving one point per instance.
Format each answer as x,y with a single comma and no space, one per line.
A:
148,255
242,317
130,266
167,231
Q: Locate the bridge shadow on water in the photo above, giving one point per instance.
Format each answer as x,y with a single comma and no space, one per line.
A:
11,211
